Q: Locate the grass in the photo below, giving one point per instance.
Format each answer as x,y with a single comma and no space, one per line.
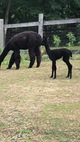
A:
36,108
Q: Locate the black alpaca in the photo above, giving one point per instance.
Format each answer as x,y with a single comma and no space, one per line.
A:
25,40
57,54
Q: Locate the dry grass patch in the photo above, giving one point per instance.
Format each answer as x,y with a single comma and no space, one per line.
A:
36,108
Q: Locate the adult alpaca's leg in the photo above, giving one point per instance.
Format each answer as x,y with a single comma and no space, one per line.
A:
38,56
17,59
32,58
11,62
53,69
66,60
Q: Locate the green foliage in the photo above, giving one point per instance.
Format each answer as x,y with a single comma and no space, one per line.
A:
71,38
57,40
28,10
79,43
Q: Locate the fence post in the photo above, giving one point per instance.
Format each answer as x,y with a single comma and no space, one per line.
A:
1,34
40,26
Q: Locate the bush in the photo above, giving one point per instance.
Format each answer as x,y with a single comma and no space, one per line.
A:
71,38
57,40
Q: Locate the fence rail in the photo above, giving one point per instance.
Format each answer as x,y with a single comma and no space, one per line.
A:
59,22
29,24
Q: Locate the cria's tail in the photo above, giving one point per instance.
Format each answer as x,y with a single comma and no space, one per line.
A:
70,53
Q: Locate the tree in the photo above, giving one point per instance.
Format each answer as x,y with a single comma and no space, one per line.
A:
28,10
7,11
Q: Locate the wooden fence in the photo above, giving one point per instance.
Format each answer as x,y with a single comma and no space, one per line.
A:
40,24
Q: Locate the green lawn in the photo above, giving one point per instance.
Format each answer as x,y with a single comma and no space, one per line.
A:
36,108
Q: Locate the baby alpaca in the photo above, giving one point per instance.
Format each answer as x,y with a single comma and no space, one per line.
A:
57,54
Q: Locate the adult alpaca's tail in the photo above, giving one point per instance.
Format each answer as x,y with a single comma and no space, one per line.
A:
4,53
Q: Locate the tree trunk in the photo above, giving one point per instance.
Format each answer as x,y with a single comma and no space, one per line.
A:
7,14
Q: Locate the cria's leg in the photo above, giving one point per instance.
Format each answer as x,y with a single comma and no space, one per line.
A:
70,70
32,58
67,74
53,75
66,60
11,62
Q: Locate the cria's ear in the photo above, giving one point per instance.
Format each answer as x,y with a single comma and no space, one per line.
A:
45,39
